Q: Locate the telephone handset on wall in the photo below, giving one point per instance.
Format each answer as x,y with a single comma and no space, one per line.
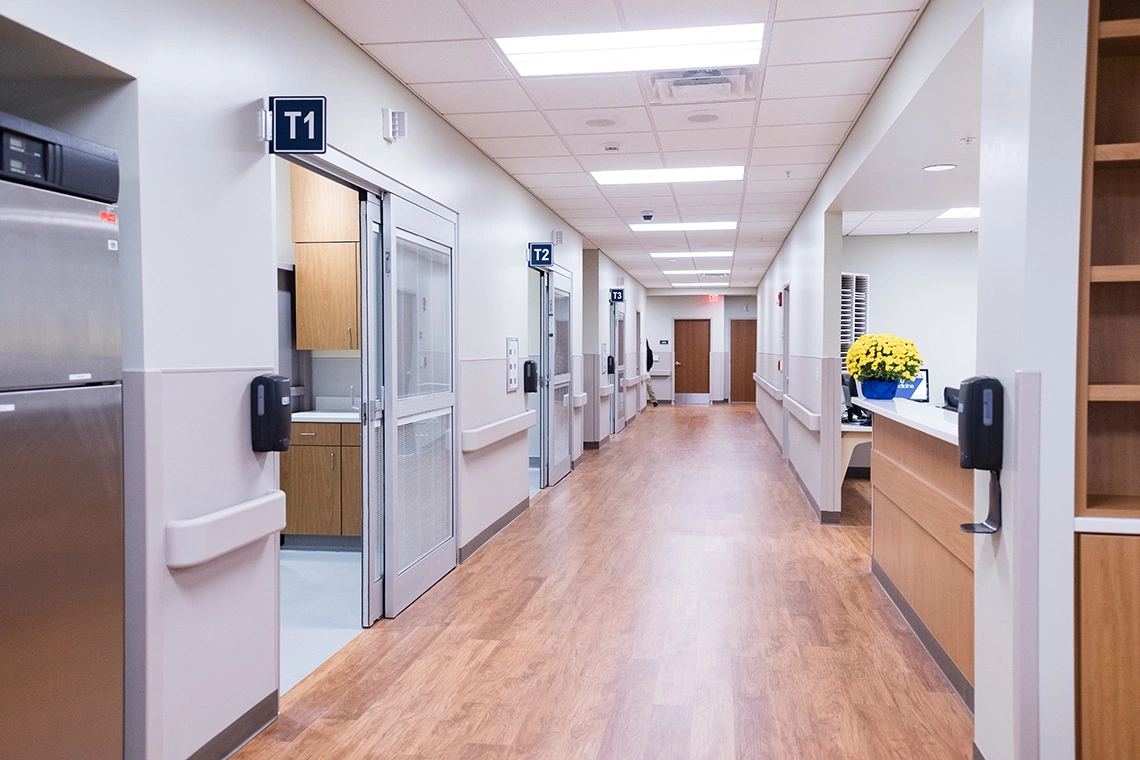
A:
981,405
530,376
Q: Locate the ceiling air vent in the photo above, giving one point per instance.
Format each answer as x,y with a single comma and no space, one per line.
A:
702,85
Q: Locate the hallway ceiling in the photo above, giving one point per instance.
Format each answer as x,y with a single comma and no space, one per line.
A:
821,60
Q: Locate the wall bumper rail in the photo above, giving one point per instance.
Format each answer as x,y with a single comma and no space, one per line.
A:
199,540
482,437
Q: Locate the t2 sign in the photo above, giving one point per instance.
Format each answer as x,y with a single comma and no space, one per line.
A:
299,125
540,255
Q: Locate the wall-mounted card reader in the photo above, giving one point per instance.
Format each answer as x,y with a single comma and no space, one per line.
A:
530,376
270,412
981,413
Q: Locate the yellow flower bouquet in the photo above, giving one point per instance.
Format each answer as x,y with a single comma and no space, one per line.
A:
879,362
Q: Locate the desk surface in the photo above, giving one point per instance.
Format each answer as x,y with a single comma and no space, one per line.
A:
927,418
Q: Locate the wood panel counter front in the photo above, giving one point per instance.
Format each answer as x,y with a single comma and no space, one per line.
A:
920,497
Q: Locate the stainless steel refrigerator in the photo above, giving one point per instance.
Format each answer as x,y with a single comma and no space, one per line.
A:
61,448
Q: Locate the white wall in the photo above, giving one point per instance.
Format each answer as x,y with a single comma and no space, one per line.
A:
810,258
663,310
201,296
925,288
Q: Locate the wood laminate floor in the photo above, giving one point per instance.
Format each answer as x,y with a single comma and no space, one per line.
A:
674,597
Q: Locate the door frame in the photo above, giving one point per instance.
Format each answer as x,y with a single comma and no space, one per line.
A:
554,471
785,361
617,377
732,366
691,399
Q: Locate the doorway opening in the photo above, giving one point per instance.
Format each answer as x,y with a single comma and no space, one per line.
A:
692,339
550,441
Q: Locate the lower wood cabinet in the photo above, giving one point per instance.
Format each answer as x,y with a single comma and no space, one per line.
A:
321,477
1109,645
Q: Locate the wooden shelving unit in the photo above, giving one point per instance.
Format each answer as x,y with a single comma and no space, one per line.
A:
1108,389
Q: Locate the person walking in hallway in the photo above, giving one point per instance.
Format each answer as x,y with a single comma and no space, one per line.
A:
649,381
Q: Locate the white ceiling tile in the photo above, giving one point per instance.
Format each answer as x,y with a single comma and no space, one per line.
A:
679,14
799,9
510,124
525,18
399,22
800,134
706,139
637,191
884,228
573,121
943,225
455,61
569,205
475,97
773,208
691,158
710,216
578,215
711,199
795,196
521,147
765,226
660,214
706,188
810,80
848,38
564,192
810,110
732,114
618,161
804,154
580,179
635,142
767,216
921,215
711,240
544,165
605,91
642,201
783,185
721,210
788,171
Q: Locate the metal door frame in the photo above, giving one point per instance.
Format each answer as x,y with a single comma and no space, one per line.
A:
372,404
786,293
617,422
554,471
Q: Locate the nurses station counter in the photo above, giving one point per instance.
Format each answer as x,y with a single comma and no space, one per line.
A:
920,497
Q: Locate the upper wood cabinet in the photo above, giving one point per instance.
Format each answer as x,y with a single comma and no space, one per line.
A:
323,211
328,296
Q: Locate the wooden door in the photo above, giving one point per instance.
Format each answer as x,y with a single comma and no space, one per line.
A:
691,338
743,360
328,296
310,478
1109,633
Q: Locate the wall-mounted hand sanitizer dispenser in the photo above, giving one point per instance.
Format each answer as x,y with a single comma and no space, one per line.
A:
980,412
270,412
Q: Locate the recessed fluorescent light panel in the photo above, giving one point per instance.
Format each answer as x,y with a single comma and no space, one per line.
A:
613,52
683,227
658,176
960,213
697,285
691,254
939,167
697,271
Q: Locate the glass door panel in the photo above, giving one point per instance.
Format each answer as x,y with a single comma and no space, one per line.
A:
373,272
561,396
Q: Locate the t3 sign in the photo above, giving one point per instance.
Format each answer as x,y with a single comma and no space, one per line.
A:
299,125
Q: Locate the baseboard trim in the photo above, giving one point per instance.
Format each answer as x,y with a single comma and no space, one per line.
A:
721,401
860,473
305,542
957,680
576,462
535,462
492,530
240,731
978,753
825,518
595,445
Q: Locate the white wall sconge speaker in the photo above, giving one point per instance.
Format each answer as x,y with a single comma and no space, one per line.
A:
395,124
556,237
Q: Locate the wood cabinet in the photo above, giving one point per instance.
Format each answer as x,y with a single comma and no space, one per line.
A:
321,477
326,237
1108,389
328,296
323,211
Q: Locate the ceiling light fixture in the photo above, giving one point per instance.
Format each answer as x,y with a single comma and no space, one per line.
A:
659,176
692,254
697,271
961,213
610,52
697,285
939,167
683,227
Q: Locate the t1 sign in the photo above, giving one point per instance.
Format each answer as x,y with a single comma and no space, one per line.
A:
540,255
299,125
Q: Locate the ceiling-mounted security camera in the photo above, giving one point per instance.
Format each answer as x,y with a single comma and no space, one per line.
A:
647,216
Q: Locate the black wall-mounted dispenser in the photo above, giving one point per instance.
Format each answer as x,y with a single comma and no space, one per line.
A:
270,412
611,366
530,376
981,414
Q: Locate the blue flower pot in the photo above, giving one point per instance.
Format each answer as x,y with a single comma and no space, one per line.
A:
880,389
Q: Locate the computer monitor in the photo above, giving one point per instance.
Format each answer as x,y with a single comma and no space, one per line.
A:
917,389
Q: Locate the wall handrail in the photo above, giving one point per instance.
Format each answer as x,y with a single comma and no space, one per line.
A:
772,390
580,400
606,390
199,540
482,437
810,419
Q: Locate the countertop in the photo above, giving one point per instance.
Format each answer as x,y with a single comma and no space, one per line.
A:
348,417
927,418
